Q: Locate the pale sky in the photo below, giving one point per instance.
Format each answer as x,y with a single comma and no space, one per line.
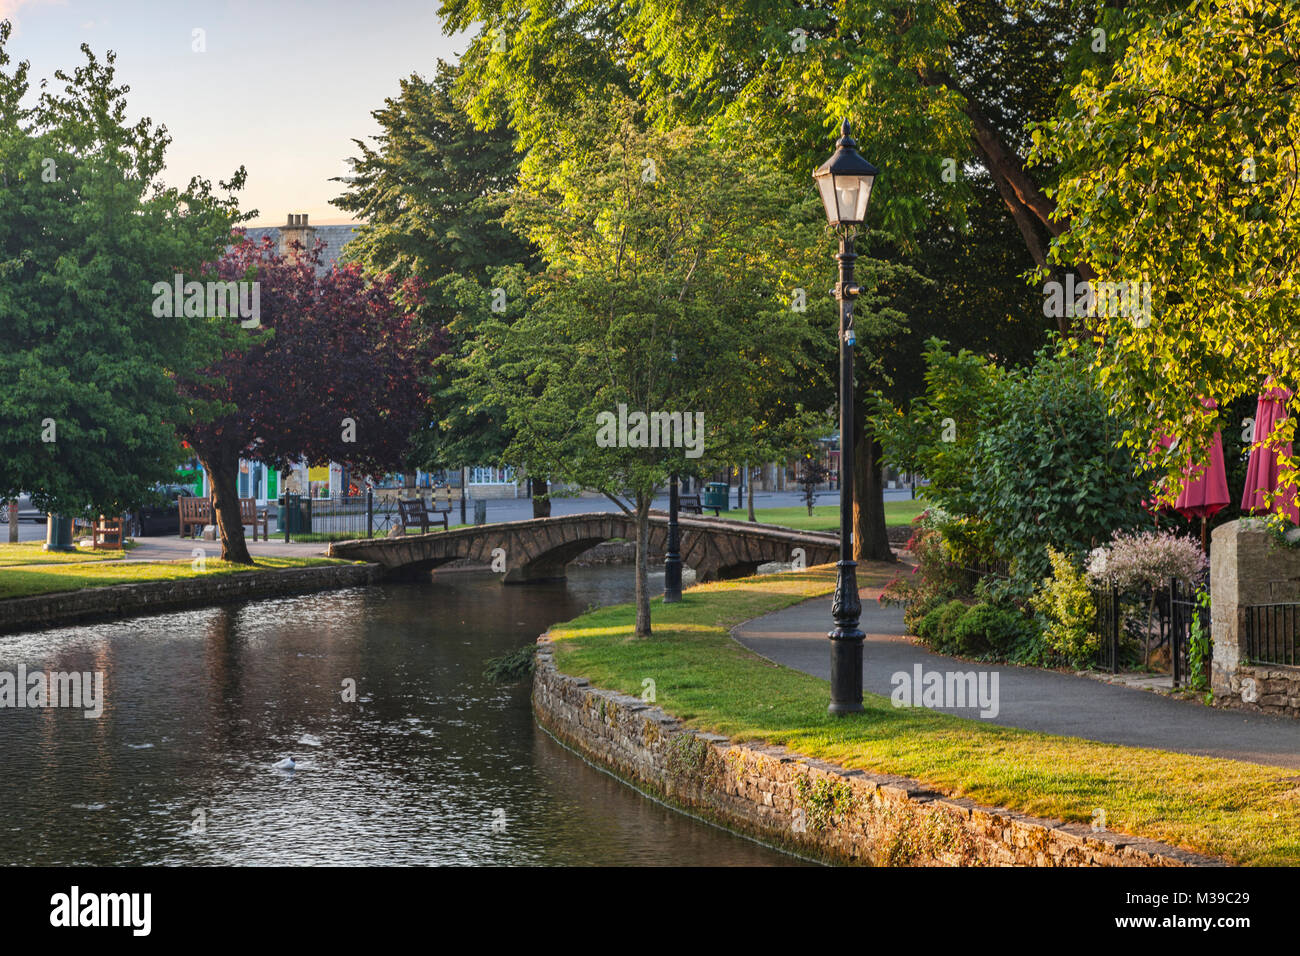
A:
283,87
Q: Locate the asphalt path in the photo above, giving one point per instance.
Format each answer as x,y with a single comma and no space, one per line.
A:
1034,699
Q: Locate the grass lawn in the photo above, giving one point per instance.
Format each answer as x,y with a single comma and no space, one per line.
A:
825,517
1243,812
32,552
26,581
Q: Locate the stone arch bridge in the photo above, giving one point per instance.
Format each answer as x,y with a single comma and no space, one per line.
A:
539,548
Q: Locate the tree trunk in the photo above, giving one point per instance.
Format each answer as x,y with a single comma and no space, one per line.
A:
223,475
870,537
542,502
751,494
642,565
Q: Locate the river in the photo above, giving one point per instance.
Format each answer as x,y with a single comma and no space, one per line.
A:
431,764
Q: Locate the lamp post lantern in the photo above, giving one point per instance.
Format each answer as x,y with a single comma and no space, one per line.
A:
844,182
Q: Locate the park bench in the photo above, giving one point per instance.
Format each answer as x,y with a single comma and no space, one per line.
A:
690,503
249,513
415,511
103,529
195,513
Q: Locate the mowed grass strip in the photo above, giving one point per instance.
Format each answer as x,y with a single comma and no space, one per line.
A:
1242,812
824,517
33,552
28,581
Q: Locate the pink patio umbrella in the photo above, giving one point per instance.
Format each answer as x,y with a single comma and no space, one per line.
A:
1262,470
1205,485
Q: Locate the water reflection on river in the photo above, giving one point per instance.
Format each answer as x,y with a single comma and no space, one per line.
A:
200,705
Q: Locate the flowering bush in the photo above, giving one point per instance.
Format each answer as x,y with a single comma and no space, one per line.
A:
1146,559
1069,614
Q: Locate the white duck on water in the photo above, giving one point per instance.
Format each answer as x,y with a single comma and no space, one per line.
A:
286,764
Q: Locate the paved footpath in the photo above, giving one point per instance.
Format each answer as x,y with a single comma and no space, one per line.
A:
1030,698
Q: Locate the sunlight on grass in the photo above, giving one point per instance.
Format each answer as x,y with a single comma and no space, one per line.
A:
33,552
824,517
27,581
1244,812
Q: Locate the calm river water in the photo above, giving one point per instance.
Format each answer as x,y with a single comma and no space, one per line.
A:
431,765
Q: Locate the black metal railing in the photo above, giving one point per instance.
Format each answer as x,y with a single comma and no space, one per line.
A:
1165,618
365,515
1185,614
1110,618
1272,632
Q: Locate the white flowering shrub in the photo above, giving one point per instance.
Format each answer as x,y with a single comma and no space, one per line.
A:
1146,559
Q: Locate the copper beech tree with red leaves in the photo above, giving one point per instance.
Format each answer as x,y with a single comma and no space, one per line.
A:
335,371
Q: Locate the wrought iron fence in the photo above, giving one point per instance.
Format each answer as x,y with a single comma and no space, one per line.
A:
1172,613
344,516
1110,618
1272,633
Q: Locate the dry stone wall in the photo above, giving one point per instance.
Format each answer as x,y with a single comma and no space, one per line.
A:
809,806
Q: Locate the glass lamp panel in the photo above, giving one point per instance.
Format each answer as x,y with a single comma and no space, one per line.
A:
826,186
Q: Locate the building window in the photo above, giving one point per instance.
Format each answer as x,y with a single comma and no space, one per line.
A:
491,476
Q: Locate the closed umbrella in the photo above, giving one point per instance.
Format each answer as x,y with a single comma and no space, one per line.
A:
1205,485
1204,491
1264,466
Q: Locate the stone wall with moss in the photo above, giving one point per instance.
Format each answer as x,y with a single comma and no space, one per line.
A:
809,806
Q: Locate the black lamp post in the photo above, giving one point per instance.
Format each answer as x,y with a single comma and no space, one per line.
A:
845,182
673,556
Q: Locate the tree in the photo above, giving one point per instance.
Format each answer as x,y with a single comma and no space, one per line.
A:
431,193
86,229
334,372
1178,170
660,305
1020,459
952,87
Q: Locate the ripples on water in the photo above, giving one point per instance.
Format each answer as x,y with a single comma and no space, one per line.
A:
200,705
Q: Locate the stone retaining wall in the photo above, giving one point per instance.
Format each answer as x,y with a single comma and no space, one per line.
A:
810,806
70,607
1248,568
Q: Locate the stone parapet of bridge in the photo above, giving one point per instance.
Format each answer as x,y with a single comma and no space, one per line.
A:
540,548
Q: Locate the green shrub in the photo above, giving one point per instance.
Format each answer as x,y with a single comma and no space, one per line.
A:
1068,611
917,609
987,628
938,626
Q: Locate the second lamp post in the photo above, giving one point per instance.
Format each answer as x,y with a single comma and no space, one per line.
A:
845,182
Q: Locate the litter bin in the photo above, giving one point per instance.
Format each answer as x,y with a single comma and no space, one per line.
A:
480,512
291,516
716,495
58,533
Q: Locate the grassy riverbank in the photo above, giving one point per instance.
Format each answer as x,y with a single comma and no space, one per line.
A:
31,579
1243,812
898,513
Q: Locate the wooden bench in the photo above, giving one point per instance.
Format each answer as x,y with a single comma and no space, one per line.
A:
690,503
103,529
249,513
195,513
415,511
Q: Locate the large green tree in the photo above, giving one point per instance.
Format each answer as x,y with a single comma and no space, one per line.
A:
431,191
1179,170
941,94
86,229
663,293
